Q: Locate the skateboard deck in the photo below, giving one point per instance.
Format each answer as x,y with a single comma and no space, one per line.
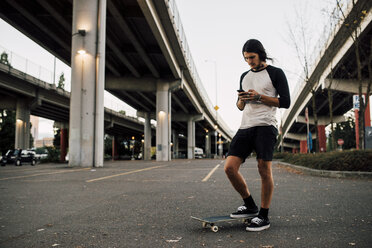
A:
211,221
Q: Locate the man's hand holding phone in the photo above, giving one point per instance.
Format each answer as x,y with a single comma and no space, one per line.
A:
250,95
243,95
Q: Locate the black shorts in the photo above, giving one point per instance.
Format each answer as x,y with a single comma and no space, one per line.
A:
261,139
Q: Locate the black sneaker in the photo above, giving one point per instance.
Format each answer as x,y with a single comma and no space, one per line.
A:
258,224
244,212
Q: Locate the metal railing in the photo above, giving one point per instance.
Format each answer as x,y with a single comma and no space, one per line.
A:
41,73
25,65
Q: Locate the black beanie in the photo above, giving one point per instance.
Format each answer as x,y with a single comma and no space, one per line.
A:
255,46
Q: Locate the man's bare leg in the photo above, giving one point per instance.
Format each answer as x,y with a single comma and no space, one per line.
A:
232,166
267,182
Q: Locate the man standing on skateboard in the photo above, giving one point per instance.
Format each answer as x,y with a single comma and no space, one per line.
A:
263,89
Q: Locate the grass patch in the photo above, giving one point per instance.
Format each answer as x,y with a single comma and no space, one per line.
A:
353,160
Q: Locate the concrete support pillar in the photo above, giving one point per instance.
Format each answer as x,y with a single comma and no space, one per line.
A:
190,138
87,83
208,145
114,153
322,138
303,146
367,116
22,135
356,111
147,138
367,122
63,143
220,147
175,143
163,119
177,146
215,144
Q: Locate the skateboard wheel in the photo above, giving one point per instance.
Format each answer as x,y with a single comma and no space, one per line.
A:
214,228
204,224
248,221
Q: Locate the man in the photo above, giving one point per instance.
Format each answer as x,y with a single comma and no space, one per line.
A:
263,89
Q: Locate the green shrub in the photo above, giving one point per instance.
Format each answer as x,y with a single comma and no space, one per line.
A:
53,155
353,160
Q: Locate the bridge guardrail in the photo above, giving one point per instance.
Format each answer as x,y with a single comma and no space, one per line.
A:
27,66
46,77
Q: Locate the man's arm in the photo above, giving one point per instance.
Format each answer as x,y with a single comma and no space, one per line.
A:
281,85
271,101
240,104
267,100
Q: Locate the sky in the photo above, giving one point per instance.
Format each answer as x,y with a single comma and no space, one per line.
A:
26,55
216,31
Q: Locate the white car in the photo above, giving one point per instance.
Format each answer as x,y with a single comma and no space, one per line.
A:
198,152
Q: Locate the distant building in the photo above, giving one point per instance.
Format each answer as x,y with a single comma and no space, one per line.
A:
44,142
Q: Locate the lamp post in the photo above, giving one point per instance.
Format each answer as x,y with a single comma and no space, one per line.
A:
220,148
132,141
215,140
216,106
142,149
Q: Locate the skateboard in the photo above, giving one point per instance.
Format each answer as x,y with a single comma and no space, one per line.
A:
211,221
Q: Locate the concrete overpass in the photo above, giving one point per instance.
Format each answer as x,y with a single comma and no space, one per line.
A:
134,49
29,95
335,69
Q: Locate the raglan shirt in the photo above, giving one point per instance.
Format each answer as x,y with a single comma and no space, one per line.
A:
270,81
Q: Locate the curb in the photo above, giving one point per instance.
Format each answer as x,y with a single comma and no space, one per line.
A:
328,173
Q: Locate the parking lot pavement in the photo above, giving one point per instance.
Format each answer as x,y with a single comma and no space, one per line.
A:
149,204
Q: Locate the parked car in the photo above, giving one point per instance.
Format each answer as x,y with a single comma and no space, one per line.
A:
40,153
198,152
18,157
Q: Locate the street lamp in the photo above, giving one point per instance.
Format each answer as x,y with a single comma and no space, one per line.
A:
132,141
215,140
220,145
142,148
216,106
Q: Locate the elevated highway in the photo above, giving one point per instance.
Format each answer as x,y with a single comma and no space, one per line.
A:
334,69
47,101
137,51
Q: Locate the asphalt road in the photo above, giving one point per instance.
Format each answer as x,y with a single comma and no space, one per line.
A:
149,204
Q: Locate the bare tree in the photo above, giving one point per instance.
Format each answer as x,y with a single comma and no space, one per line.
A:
333,19
369,71
330,105
354,27
301,37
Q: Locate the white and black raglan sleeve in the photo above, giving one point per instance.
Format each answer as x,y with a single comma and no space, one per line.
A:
280,83
241,87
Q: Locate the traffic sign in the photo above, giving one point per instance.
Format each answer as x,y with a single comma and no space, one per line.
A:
216,107
340,142
356,104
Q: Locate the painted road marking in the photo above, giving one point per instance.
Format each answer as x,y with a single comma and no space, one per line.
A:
18,170
40,174
125,173
211,172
